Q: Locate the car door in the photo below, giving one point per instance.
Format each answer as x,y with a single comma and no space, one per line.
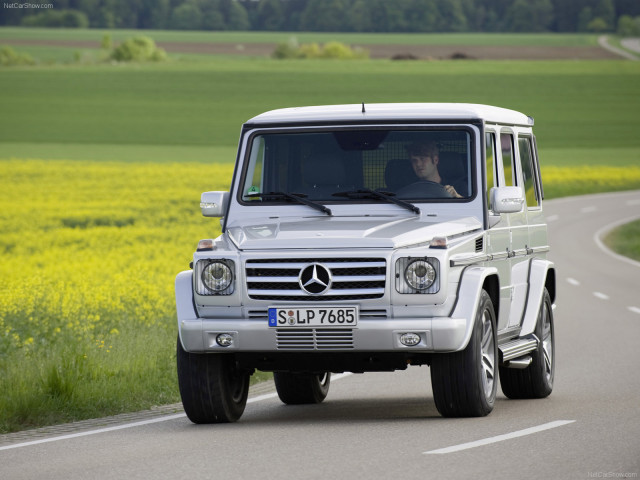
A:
498,237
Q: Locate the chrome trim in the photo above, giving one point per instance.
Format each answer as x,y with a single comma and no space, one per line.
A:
337,279
251,263
333,291
518,348
463,260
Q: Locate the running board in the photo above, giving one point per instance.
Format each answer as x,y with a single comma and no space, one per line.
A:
519,363
518,348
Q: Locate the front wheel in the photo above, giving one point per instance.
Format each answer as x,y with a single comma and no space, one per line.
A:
301,389
464,383
213,390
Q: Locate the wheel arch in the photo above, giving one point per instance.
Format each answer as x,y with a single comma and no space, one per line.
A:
472,283
542,275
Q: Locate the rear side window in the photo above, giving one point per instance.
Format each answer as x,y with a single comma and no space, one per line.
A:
526,161
490,154
506,141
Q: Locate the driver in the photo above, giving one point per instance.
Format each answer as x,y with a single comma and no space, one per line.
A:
424,160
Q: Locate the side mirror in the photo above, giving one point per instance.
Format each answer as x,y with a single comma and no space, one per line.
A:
506,199
214,204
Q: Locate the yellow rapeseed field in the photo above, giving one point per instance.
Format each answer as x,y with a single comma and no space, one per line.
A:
90,251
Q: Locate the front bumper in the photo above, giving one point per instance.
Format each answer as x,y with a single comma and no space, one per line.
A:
197,334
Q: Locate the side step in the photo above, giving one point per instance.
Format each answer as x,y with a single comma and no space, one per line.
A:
520,347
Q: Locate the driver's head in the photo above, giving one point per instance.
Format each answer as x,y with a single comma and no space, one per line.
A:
424,160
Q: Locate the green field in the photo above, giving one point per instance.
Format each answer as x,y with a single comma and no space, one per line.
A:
585,112
103,164
510,39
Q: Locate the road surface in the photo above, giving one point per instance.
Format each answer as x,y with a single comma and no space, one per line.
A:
378,425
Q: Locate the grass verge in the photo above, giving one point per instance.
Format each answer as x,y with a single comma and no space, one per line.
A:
625,240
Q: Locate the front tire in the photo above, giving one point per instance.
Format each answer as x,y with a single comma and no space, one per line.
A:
302,389
213,390
535,381
464,383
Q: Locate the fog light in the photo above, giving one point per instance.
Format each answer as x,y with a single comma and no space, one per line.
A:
410,339
224,339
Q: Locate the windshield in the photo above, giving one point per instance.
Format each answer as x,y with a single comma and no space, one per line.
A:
413,165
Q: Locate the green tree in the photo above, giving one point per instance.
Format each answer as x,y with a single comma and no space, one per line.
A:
529,15
360,17
605,10
237,16
628,27
186,16
585,17
597,25
270,15
324,16
453,17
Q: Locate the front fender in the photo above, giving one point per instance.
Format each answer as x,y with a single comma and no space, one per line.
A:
466,307
187,316
537,281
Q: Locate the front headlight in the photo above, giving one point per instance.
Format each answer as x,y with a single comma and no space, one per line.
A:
417,275
420,274
216,276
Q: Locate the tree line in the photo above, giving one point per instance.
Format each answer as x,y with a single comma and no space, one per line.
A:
331,15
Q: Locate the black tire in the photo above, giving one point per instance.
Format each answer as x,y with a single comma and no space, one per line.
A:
213,390
535,381
464,383
302,389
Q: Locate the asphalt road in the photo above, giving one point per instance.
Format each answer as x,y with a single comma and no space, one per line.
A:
378,425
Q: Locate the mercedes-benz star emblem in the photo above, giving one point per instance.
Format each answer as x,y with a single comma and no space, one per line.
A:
315,279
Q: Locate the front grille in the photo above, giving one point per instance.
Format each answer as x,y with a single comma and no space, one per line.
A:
314,339
351,279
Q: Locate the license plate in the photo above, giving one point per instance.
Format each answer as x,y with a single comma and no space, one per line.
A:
313,317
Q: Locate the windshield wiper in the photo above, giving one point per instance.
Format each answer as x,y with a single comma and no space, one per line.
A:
387,196
296,197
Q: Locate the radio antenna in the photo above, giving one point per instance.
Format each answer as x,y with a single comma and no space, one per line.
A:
363,110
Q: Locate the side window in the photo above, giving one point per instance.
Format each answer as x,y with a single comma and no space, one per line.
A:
490,155
506,141
526,162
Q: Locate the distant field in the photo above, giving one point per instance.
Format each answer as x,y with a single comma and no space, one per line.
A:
585,112
487,39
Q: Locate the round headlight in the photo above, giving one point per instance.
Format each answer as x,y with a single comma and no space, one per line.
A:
217,276
420,274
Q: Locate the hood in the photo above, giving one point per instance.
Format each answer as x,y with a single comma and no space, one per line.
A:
345,232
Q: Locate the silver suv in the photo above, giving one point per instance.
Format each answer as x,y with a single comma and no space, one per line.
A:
363,238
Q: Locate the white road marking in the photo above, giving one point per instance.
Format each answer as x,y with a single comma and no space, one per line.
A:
634,309
94,432
588,209
601,296
573,281
552,218
501,438
165,418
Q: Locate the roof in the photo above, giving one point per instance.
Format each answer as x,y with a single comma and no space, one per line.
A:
392,112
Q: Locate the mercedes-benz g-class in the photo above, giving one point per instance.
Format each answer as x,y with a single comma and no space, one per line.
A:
363,238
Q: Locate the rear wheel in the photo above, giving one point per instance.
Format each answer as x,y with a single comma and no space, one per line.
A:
535,381
301,389
213,390
464,383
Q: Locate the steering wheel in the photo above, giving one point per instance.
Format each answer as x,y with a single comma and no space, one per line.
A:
423,188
